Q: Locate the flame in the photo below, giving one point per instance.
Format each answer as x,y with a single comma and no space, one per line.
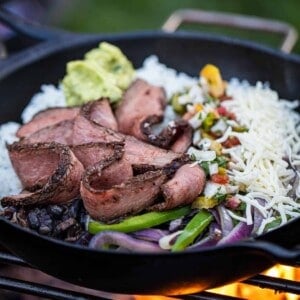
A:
152,297
251,292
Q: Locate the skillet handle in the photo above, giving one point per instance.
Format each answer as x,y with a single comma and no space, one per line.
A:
29,29
276,253
33,31
179,17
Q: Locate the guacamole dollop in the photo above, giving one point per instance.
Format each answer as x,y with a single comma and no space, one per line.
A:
104,72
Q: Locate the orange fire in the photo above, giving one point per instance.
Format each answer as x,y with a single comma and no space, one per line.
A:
245,291
251,292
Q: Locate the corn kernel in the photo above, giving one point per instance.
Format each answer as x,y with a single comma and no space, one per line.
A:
198,107
217,147
222,171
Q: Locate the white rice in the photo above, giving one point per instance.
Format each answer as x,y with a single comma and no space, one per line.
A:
50,96
158,74
10,183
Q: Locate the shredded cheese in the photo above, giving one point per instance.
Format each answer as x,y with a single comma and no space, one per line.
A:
260,161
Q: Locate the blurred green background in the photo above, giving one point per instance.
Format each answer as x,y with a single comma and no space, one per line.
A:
128,15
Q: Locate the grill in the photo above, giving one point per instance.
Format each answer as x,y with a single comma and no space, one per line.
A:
47,291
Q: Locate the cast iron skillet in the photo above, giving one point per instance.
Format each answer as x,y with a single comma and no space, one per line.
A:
173,273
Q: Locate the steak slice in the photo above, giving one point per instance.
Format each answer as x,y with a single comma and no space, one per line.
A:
177,136
60,133
49,172
107,195
140,101
140,153
88,131
92,153
47,118
187,183
101,113
142,107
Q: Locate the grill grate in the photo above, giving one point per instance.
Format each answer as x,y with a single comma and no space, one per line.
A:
32,288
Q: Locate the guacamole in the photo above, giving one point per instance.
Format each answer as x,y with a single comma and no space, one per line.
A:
104,72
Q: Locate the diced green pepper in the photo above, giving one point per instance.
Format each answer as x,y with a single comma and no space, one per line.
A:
240,129
277,222
140,222
205,166
241,207
193,229
221,161
220,197
273,224
209,121
179,108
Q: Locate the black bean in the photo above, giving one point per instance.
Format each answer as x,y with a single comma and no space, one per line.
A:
43,211
44,229
46,220
74,209
55,211
33,220
82,219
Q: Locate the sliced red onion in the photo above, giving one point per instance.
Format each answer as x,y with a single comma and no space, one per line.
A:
215,214
169,240
175,224
225,220
215,234
106,238
150,235
239,232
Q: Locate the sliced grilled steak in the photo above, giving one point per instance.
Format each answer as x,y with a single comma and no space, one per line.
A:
47,118
142,107
60,133
50,173
100,112
187,183
107,195
177,136
92,153
140,101
87,131
140,153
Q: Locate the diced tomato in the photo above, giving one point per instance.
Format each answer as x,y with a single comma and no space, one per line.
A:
222,111
225,98
218,178
231,142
